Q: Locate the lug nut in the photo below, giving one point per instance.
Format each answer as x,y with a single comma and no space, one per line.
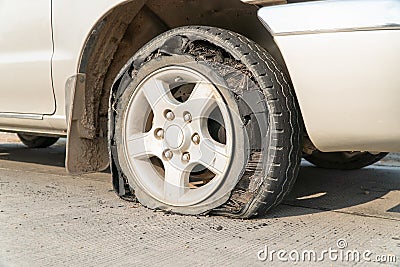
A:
186,157
168,154
160,133
178,79
196,139
187,117
170,115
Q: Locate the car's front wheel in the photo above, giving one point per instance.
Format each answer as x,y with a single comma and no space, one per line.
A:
204,120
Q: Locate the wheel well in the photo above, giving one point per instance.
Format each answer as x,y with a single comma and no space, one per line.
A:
127,27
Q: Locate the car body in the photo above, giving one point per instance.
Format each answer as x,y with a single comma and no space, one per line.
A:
63,62
343,67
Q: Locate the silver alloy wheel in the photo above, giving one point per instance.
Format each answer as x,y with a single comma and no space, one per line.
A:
262,157
166,140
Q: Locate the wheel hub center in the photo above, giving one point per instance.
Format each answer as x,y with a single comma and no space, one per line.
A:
174,137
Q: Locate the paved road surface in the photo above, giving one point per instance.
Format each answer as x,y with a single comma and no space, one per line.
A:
48,218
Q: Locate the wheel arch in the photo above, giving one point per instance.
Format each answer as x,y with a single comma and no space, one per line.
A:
120,33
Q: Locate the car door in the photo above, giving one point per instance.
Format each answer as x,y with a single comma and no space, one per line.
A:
25,56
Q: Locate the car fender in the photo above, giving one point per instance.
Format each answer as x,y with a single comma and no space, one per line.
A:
342,57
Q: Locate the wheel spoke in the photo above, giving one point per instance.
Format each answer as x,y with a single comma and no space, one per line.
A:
176,182
201,101
157,94
142,145
214,155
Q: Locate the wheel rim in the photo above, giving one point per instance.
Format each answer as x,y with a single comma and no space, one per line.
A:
169,136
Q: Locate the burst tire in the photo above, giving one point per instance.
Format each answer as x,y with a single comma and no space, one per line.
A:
263,115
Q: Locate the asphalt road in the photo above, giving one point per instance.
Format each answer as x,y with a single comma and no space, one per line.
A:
48,218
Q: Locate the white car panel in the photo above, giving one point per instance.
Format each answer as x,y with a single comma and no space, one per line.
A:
70,36
348,87
331,16
25,55
343,59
